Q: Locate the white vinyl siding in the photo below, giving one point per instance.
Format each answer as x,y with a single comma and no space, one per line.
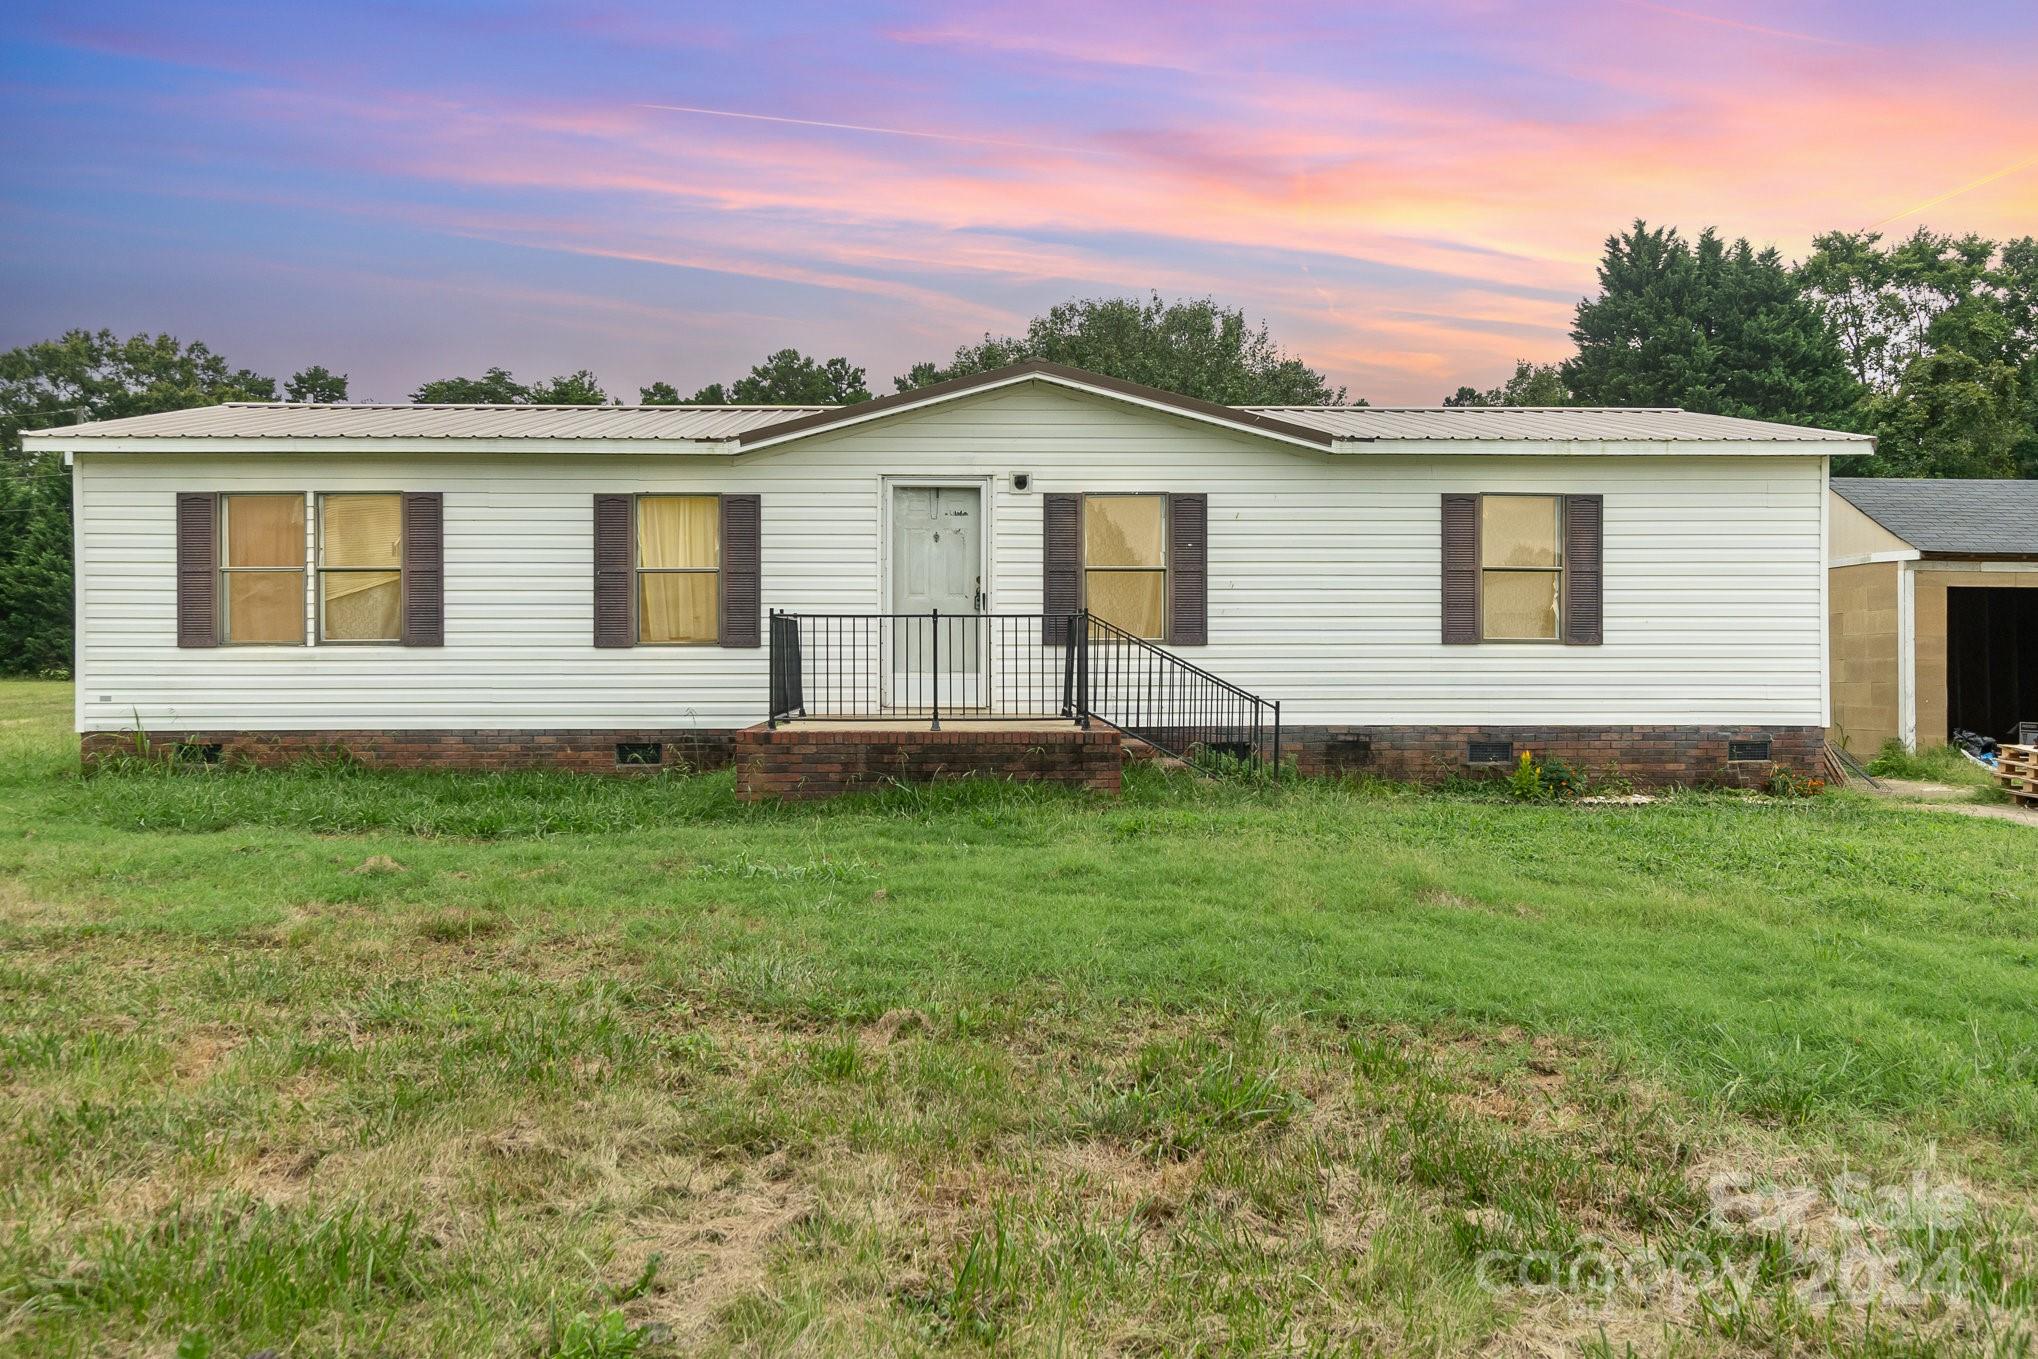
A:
1323,576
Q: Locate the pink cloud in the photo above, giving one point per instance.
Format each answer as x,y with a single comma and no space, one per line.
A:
1407,231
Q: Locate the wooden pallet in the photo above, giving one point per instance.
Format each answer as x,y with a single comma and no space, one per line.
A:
2017,773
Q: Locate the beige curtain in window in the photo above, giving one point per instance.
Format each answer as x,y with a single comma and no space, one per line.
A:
363,606
678,532
1124,555
263,604
265,530
677,606
356,531
1520,549
678,552
1131,600
1122,530
361,530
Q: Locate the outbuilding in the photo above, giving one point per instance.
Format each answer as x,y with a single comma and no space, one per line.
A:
1934,610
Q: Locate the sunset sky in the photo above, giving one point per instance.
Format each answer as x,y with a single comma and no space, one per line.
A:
1411,194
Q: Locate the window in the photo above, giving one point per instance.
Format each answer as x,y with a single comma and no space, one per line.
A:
1521,567
360,568
1125,561
679,569
262,569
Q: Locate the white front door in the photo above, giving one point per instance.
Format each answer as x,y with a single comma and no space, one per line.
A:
937,564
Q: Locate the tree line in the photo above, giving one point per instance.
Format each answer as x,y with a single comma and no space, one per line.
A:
1929,342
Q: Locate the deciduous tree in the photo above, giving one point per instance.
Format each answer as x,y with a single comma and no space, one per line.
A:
1194,347
1533,384
1943,333
81,375
316,384
497,387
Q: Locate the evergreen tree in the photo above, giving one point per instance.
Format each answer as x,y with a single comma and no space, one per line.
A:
1713,327
35,569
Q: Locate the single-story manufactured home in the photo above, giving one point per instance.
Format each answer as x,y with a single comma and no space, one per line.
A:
1935,610
1411,591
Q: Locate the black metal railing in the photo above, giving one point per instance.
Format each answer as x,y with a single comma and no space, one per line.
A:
1014,667
927,666
1174,706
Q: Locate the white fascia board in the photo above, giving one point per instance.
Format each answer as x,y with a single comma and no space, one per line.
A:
1602,448
767,440
1956,564
313,447
1865,558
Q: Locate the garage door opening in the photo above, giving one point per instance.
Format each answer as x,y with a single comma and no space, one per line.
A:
1991,660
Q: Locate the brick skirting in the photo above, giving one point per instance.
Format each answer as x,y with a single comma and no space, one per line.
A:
805,760
811,761
583,752
1650,756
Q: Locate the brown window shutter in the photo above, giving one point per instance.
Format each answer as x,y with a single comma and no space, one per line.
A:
1188,570
1461,570
1061,567
197,568
742,571
614,563
424,568
1584,572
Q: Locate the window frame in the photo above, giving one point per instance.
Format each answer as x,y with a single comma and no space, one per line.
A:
1560,570
638,571
222,571
319,570
1164,571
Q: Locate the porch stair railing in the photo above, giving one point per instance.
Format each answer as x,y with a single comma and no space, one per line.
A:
914,667
1173,705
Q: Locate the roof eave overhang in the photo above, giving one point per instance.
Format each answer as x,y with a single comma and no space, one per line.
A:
1110,389
1603,448
54,441
2031,556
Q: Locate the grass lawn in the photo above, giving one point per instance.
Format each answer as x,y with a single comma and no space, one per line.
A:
324,1062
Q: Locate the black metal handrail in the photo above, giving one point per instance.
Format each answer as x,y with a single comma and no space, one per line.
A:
1014,667
981,666
1172,704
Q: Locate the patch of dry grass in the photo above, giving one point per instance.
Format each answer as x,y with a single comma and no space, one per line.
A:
533,1131
953,1078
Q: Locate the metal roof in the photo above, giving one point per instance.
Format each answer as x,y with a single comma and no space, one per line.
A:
1053,374
1321,427
1543,424
286,420
1950,518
